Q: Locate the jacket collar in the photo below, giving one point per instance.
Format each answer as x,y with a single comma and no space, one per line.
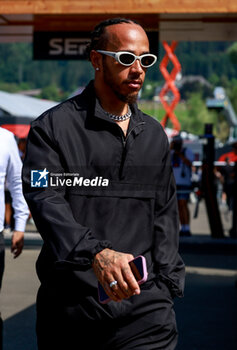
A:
89,99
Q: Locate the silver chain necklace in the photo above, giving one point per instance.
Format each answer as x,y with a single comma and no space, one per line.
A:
120,118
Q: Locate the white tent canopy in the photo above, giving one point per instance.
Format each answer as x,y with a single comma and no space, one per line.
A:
23,106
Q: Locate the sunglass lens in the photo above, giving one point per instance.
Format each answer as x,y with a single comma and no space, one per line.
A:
147,60
126,58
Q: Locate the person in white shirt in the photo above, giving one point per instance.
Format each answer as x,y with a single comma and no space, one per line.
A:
10,170
182,159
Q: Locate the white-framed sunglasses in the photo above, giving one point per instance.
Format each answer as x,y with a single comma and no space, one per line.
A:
128,58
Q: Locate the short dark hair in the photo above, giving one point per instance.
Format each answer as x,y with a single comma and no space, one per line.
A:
98,39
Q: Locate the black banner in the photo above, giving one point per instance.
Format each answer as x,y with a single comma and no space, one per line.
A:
154,42
71,45
60,45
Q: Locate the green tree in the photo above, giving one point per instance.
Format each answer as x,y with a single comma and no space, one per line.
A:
198,115
51,92
232,93
232,53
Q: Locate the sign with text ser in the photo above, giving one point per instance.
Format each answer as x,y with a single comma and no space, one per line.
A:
60,45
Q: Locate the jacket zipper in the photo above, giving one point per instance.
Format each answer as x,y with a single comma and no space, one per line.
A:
124,141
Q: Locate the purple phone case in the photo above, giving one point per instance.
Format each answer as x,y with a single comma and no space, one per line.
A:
101,291
144,269
102,295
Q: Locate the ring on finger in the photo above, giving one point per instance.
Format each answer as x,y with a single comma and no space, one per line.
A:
113,283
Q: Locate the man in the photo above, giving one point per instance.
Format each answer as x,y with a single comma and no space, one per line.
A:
228,173
182,159
110,196
10,170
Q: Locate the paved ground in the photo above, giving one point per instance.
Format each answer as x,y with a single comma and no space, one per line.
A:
206,316
18,295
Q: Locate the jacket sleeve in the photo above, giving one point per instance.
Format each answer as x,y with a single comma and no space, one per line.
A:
168,263
71,244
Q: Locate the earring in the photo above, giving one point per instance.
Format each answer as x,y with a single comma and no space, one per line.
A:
97,68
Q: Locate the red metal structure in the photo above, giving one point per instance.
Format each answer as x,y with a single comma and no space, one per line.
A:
170,85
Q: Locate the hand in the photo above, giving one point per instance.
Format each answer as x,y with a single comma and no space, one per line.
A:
108,266
17,243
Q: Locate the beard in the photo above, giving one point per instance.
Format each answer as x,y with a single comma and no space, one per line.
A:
129,98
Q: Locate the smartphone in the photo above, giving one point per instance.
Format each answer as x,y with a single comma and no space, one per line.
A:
139,269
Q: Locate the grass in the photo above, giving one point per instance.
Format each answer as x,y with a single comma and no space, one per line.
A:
157,111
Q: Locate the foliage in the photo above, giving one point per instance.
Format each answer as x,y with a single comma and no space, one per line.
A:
232,53
148,90
208,59
215,61
198,114
231,90
51,92
17,66
205,59
192,116
14,87
195,87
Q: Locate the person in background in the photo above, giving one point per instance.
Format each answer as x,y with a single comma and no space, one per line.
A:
9,211
9,220
182,158
228,174
22,147
10,170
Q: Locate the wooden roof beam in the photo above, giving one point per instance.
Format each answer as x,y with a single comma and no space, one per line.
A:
116,6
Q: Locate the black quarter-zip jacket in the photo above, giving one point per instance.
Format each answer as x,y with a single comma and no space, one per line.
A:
136,212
